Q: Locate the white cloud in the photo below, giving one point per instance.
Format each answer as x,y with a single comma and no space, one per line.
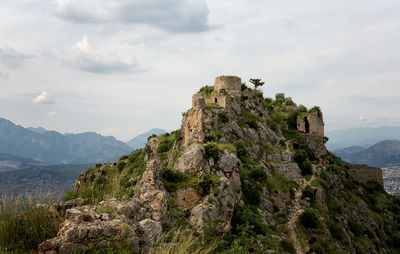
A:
83,45
52,114
362,118
43,98
86,58
171,15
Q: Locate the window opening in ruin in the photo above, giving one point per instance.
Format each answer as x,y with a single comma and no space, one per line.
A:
216,100
306,125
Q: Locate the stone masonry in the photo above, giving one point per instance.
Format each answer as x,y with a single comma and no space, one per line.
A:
311,123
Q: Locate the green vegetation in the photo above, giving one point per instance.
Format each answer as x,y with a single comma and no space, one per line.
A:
25,222
211,150
308,219
309,192
69,195
287,246
206,90
247,215
174,180
256,82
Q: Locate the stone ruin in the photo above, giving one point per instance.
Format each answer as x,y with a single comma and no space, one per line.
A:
225,87
311,123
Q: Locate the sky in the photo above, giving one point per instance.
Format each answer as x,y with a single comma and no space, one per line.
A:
122,67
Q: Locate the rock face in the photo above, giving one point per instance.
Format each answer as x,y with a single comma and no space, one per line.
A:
234,162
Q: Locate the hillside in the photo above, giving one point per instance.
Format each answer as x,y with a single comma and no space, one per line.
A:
247,174
382,154
56,148
40,179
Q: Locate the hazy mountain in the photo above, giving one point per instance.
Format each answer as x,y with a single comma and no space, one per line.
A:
384,153
10,162
141,140
56,148
35,179
38,129
363,137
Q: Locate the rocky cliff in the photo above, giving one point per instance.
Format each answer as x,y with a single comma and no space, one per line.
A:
238,173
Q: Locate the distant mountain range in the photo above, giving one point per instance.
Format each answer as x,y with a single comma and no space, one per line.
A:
52,147
141,140
363,137
384,153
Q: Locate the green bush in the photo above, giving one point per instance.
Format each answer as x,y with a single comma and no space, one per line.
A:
241,150
308,219
250,119
223,117
206,90
309,192
172,176
300,156
355,228
324,247
211,150
121,165
373,187
258,174
336,230
287,246
247,215
306,168
251,193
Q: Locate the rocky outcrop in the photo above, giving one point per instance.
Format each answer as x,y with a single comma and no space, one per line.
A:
151,192
119,222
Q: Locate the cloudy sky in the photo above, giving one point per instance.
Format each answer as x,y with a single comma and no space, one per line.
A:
122,67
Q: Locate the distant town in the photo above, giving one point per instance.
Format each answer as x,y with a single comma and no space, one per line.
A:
391,179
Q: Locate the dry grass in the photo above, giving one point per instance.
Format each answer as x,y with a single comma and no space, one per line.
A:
25,222
181,242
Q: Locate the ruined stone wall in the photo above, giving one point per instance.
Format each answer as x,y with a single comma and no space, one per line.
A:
219,99
311,123
365,172
230,84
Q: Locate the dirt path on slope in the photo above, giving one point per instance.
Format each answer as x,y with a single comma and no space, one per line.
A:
295,212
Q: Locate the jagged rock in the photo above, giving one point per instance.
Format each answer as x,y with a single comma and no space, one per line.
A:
152,230
228,162
152,192
291,170
315,143
192,160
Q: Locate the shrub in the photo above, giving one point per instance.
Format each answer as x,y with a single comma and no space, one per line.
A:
98,165
287,246
300,156
211,150
241,150
223,117
336,230
206,90
247,215
121,165
309,192
172,176
258,174
250,119
308,219
355,228
306,168
251,193
373,187
324,247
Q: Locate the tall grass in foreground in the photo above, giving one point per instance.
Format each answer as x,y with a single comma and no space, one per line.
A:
25,222
181,242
